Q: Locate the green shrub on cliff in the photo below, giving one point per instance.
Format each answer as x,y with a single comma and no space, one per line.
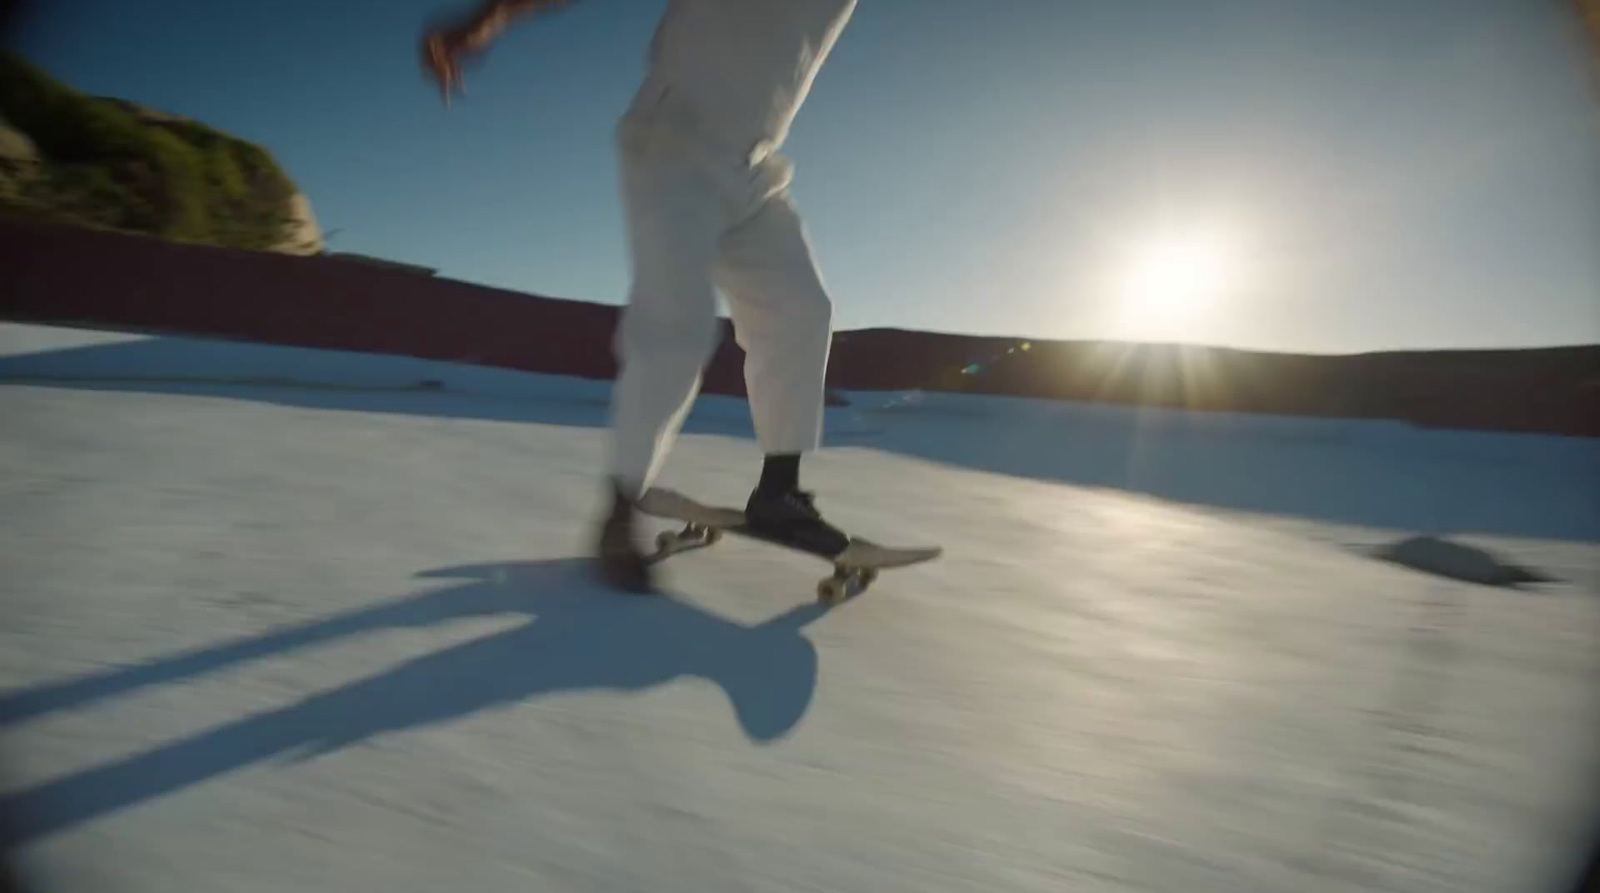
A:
106,163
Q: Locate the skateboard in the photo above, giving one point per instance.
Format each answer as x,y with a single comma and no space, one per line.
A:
854,569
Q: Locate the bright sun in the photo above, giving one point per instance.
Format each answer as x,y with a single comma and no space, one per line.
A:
1174,279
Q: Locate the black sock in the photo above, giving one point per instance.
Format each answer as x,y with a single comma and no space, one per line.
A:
780,473
625,491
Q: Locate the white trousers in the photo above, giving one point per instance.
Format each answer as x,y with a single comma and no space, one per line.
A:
699,223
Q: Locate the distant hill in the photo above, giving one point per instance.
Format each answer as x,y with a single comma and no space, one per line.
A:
75,276
108,163
1551,389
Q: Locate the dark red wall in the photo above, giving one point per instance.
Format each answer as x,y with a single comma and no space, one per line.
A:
75,276
72,276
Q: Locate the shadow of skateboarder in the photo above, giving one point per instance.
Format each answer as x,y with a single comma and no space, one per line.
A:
578,637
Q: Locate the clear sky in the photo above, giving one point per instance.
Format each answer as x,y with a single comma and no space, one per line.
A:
1281,174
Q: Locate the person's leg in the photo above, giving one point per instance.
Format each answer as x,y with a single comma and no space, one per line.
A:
668,328
664,338
782,317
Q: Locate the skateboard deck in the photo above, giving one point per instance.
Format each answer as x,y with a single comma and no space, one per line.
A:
854,569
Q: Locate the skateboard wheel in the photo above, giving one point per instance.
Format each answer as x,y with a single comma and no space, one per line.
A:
665,540
832,590
712,534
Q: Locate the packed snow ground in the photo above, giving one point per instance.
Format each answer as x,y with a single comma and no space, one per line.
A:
1368,474
335,633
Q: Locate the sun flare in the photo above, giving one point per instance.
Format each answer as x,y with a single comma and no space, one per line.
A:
1175,277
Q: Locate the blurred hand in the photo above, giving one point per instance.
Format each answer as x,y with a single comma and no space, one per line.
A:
444,49
442,52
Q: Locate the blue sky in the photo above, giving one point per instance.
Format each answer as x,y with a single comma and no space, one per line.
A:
1277,174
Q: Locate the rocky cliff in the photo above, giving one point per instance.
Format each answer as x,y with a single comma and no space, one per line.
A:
113,164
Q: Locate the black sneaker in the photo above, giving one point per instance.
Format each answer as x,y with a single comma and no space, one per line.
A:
791,518
618,559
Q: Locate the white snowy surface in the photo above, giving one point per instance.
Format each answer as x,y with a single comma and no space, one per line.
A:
1370,474
322,638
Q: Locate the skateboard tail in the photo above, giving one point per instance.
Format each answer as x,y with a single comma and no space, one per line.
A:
862,554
